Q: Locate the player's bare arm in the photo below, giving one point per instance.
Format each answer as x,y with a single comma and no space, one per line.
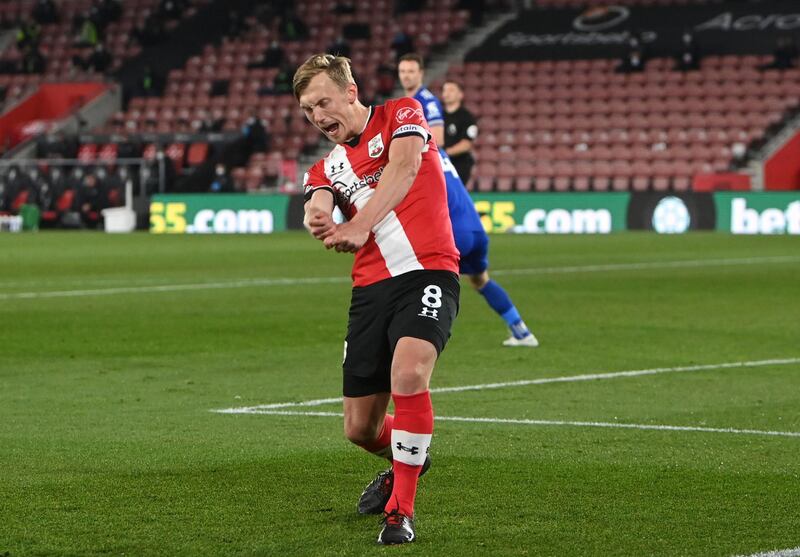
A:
405,157
318,218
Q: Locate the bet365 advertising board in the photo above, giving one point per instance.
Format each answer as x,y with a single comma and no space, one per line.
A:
529,213
665,213
553,213
218,214
762,213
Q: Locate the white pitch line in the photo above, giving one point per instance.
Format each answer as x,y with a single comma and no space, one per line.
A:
794,552
511,421
623,426
247,283
250,283
688,263
542,381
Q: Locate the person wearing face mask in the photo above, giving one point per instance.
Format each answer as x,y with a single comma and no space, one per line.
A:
222,182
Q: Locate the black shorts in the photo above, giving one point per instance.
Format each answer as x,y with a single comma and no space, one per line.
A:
419,304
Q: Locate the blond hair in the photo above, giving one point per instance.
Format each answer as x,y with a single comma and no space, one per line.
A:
337,68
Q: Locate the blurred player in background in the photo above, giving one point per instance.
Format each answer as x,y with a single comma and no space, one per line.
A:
385,176
471,239
460,130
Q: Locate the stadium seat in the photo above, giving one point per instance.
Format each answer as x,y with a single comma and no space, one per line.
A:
562,183
149,151
108,152
19,200
484,183
61,206
640,183
87,152
620,183
505,184
197,153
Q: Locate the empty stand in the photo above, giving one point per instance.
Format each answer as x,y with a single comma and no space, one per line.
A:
188,101
588,128
56,42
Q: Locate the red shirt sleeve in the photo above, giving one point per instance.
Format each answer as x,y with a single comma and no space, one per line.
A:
315,179
407,119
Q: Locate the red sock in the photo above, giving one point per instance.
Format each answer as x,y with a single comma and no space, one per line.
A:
381,446
411,438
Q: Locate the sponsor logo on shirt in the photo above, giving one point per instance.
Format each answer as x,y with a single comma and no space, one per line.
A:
407,113
337,168
433,110
348,190
416,128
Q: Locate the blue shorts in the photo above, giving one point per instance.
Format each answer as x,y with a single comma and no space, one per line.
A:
473,245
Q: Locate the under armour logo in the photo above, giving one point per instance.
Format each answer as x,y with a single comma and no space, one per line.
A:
412,450
333,167
429,312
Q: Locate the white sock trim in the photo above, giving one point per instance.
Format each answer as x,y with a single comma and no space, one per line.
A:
410,448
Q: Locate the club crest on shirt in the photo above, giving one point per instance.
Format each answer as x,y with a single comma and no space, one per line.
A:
408,113
375,146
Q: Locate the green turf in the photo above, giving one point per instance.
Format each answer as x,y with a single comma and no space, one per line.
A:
108,445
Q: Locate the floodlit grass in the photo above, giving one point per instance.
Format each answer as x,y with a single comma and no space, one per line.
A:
115,349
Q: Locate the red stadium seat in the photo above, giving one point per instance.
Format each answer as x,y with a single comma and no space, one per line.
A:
561,183
108,152
19,200
620,183
176,152
505,184
197,154
661,183
149,151
581,183
87,152
484,183
640,183
542,183
681,183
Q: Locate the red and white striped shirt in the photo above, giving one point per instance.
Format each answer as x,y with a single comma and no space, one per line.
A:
417,234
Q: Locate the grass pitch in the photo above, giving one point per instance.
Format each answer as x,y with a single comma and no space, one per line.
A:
115,349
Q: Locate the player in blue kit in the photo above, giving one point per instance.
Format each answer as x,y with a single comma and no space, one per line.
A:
471,239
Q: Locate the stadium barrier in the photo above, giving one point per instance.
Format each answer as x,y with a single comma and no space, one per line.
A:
530,213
